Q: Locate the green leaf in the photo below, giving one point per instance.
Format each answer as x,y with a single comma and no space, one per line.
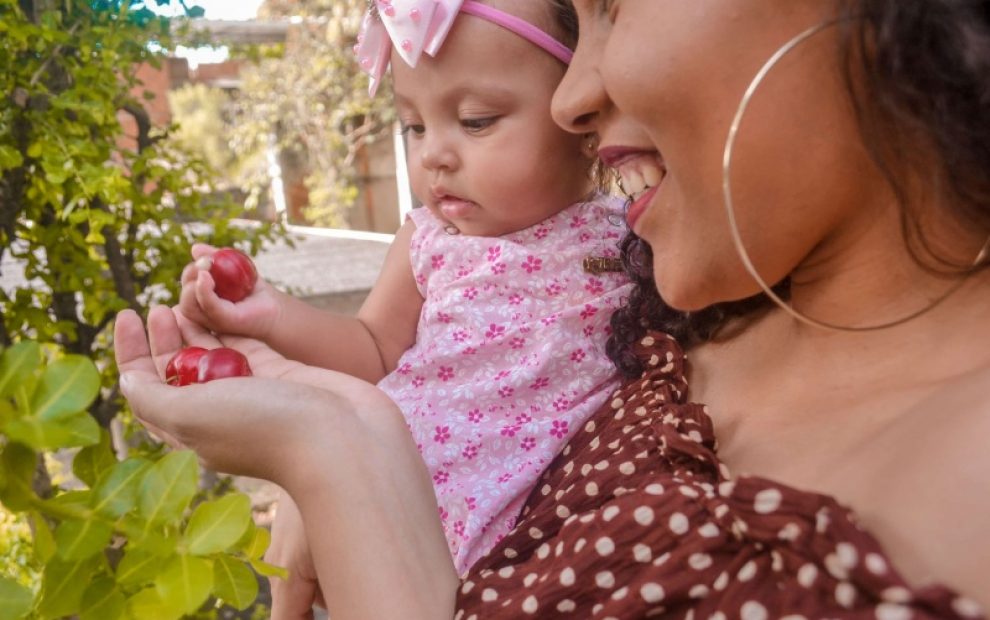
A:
16,364
187,581
78,540
102,601
217,525
63,584
78,429
93,461
168,487
269,570
34,150
15,600
255,542
44,542
67,386
234,583
138,567
148,605
18,463
10,158
116,492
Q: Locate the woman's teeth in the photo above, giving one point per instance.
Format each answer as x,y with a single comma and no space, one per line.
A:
640,176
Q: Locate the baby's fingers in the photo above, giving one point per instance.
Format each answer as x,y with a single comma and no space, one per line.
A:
199,250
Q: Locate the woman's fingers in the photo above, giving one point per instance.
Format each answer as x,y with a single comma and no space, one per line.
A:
294,597
131,344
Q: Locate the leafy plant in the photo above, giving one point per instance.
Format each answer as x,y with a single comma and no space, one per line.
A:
127,544
99,208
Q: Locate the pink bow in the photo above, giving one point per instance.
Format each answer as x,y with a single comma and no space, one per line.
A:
410,26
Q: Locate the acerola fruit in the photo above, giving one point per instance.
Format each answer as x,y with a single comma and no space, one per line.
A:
233,273
183,368
198,365
222,363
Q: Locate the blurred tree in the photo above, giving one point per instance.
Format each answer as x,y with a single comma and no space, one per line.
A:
99,221
309,100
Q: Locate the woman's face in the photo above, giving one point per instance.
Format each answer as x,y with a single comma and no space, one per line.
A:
801,177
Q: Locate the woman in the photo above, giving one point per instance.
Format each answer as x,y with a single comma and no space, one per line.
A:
856,182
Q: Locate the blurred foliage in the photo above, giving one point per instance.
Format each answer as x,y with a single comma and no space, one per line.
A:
309,100
99,208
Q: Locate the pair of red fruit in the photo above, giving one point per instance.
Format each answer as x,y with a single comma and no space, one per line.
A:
234,277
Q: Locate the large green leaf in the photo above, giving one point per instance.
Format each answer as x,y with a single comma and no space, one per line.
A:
15,600
149,605
77,540
116,492
168,487
217,525
138,567
69,431
92,461
16,364
63,584
255,542
102,600
18,462
186,581
234,583
67,386
44,542
269,570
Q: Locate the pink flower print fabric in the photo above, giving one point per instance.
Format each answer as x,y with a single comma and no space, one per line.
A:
509,360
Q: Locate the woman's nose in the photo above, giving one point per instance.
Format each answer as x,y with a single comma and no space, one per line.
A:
580,99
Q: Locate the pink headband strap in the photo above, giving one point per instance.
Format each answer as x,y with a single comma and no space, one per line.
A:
412,27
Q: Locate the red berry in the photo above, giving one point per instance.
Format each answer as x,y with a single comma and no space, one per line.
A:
222,363
233,273
183,368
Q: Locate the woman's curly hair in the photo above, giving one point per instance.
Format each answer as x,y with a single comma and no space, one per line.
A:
918,73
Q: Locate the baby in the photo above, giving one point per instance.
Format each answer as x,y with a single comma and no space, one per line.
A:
488,322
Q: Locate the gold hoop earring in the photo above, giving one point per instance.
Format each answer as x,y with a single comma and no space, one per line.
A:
727,154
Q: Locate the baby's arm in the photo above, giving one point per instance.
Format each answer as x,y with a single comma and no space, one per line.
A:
368,345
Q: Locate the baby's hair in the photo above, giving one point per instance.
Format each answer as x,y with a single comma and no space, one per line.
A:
565,21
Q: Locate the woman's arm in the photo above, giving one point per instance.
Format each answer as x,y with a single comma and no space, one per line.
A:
341,450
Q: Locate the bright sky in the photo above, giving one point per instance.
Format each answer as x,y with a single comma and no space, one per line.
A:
215,9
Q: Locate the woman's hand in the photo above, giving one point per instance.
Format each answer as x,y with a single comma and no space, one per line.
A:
292,598
341,450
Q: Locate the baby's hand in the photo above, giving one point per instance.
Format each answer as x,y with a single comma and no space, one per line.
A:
253,316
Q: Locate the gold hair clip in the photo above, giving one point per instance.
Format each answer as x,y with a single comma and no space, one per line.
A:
602,264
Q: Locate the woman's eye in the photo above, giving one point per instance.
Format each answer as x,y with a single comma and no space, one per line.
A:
478,124
413,128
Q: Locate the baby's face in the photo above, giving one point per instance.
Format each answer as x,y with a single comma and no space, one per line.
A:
484,152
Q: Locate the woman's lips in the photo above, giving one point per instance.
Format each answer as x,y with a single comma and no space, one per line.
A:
642,173
638,207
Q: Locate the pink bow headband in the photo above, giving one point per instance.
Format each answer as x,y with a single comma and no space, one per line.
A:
416,26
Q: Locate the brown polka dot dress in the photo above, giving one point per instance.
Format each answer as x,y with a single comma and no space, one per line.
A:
637,518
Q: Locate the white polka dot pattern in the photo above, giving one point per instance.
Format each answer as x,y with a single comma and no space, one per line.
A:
641,520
